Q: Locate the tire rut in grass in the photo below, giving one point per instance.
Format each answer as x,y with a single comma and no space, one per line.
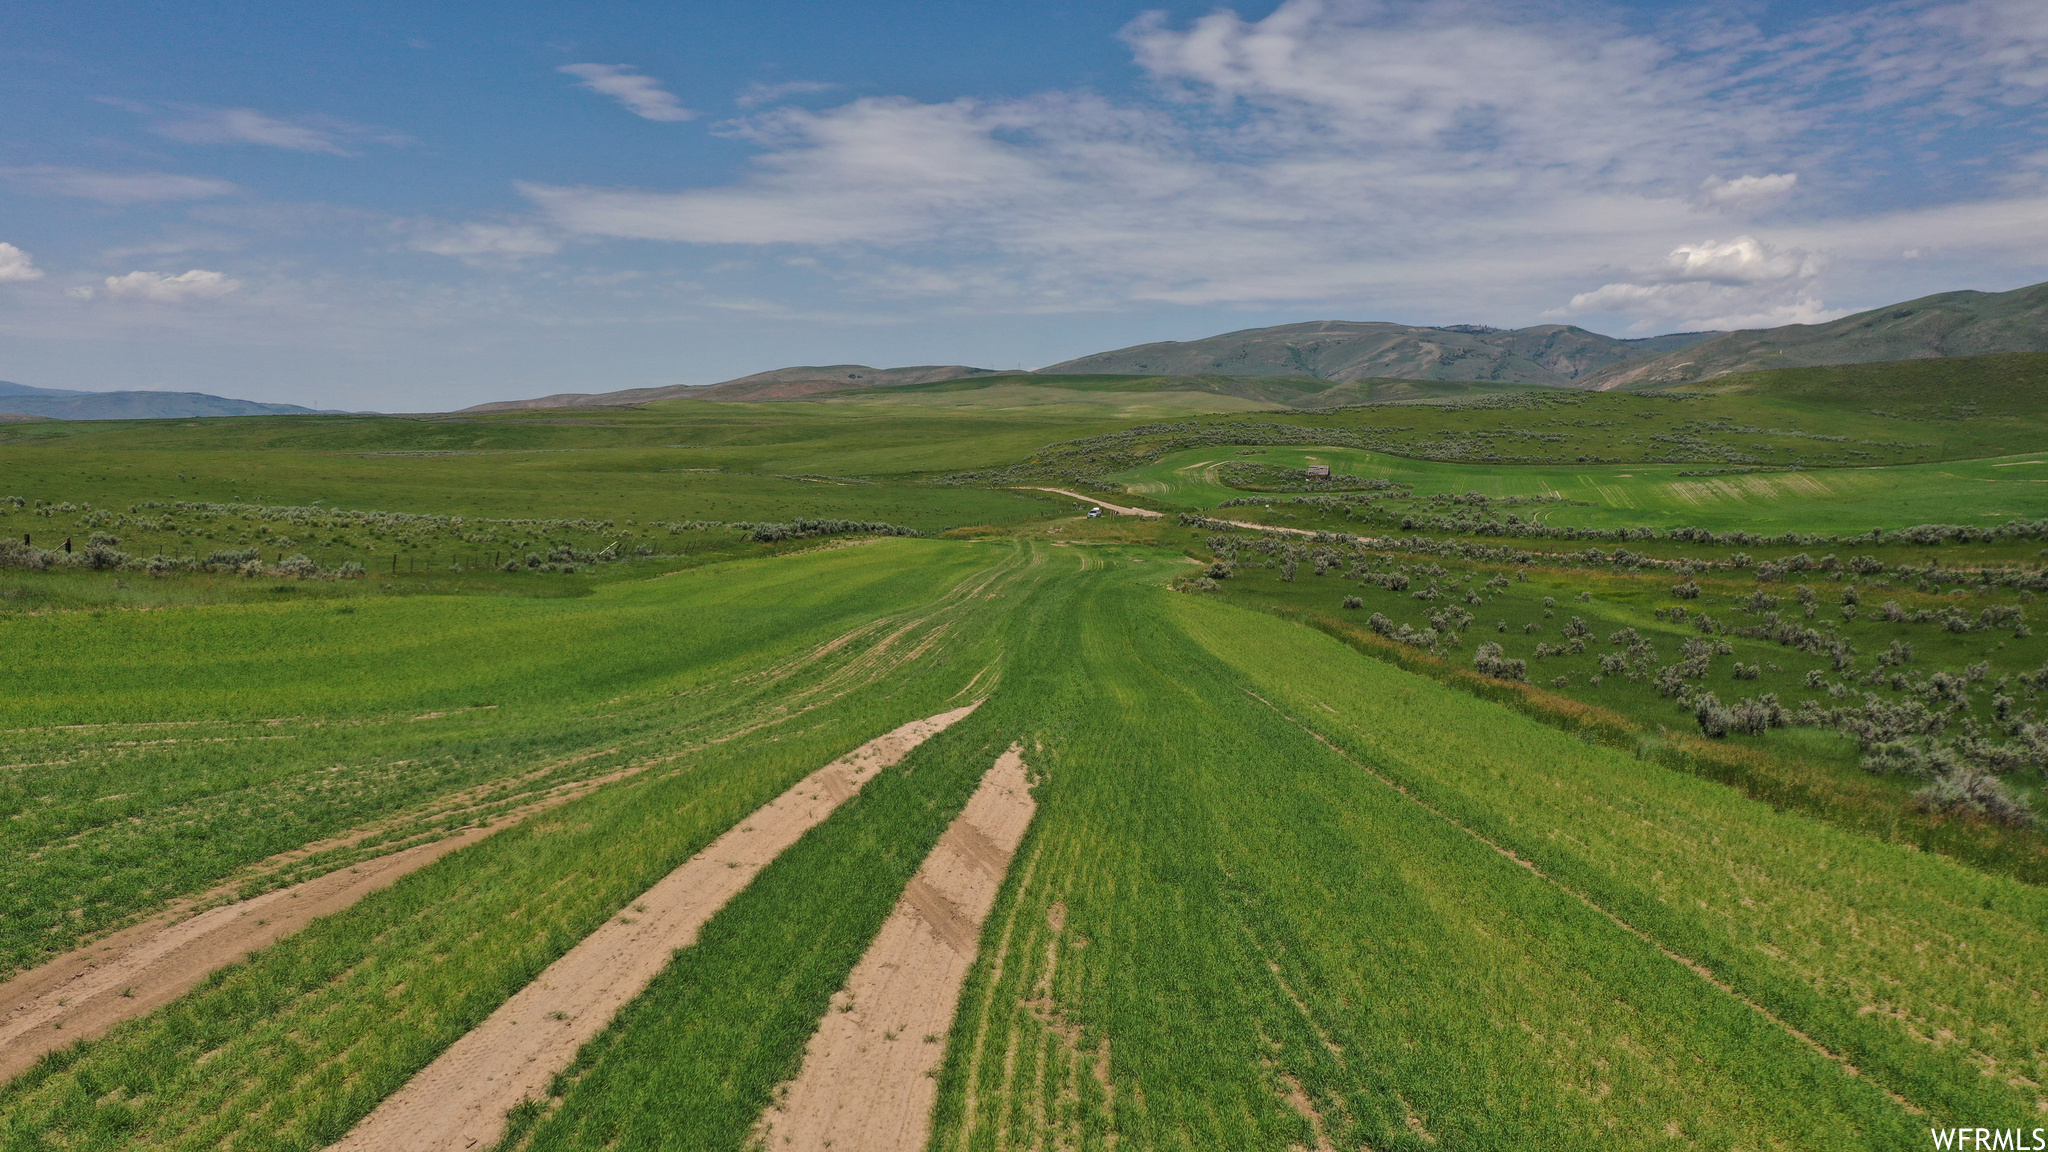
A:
868,1081
461,1099
81,994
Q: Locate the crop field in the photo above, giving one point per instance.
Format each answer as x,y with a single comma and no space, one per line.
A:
1481,797
1836,500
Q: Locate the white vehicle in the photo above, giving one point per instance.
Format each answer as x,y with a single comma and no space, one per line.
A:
1095,513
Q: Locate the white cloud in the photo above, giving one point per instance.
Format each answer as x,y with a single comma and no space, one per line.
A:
1456,159
198,284
201,124
642,95
509,241
117,187
1699,306
248,126
1445,153
17,266
1747,191
1743,260
1326,152
1739,283
876,170
757,93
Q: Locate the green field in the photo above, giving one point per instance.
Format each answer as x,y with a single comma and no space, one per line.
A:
1406,839
1834,500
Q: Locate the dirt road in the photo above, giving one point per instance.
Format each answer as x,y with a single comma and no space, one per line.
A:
1103,504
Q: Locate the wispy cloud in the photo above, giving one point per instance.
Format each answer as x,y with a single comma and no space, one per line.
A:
200,124
487,241
17,266
642,95
756,94
1747,191
117,187
248,126
197,284
1460,153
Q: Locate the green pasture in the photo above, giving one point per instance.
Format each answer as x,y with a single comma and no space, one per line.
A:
1290,884
1833,500
1235,932
151,754
1534,612
288,1050
1233,936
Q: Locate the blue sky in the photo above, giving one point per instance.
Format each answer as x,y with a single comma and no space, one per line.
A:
411,207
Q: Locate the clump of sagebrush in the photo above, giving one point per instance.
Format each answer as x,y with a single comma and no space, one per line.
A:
1492,661
1967,788
800,529
1749,717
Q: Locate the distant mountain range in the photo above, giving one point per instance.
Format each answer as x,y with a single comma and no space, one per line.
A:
1343,351
1368,354
66,404
1314,364
1335,351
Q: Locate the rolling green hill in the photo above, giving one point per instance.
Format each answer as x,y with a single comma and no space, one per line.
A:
22,400
1947,324
1260,391
1343,351
779,384
1566,770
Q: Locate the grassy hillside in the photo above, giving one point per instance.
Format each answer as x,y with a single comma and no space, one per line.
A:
1947,324
1497,815
1835,500
1276,888
1344,351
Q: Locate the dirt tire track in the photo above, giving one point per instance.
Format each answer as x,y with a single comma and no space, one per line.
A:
1103,504
82,993
460,1100
868,1080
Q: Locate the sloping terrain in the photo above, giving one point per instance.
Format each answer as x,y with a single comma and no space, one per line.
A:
1287,364
10,388
1945,324
780,384
1566,770
66,404
1271,391
1344,351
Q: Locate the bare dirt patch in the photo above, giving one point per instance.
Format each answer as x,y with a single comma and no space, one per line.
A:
459,1101
1273,528
867,1083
